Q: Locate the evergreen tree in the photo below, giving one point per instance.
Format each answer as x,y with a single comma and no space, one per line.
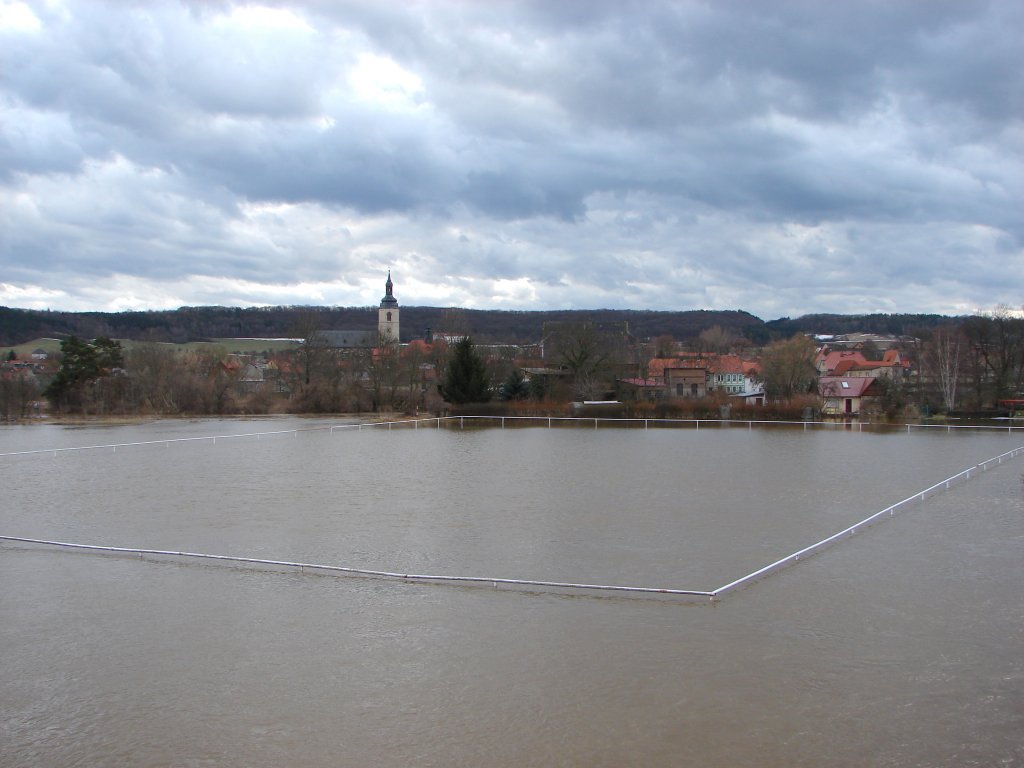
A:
515,387
82,363
109,354
466,379
538,387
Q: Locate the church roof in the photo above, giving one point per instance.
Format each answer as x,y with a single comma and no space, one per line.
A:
348,339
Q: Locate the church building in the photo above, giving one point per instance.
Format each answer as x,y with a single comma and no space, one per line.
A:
387,326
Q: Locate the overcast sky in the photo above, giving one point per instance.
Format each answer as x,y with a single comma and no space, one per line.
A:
778,157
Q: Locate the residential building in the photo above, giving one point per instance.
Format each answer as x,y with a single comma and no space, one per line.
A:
845,395
725,373
687,379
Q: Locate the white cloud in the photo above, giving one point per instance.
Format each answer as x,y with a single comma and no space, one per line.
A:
18,17
261,18
779,158
30,296
381,81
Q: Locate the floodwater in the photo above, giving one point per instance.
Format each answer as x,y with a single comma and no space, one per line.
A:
900,646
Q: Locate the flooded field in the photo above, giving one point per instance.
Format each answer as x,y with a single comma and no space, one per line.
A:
900,646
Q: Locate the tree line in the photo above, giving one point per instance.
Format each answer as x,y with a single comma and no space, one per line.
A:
486,326
967,364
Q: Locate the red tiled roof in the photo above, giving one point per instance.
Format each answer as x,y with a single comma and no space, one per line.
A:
725,364
843,367
828,361
872,365
844,386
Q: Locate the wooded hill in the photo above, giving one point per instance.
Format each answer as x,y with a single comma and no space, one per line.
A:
897,325
485,326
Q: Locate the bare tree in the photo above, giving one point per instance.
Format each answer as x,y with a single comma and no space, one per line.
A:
18,390
998,338
587,353
383,374
944,355
153,367
788,367
664,345
715,339
412,362
314,349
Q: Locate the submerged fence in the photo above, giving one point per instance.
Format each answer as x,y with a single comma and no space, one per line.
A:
712,594
942,485
338,569
461,422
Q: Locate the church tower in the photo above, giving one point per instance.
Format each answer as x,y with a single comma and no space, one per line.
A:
387,315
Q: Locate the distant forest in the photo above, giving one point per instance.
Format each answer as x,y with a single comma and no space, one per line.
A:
185,324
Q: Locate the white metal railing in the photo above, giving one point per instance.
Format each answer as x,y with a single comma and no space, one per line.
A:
314,567
712,594
942,485
749,423
549,421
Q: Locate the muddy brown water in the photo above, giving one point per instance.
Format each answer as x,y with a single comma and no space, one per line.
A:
903,645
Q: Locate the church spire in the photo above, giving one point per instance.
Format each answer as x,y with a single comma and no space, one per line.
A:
389,296
387,315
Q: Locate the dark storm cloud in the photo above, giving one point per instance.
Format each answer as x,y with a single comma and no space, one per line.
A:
656,154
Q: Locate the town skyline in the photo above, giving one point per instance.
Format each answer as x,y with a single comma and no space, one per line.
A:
780,158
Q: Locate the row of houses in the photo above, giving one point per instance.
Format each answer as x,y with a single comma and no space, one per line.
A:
697,375
847,379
